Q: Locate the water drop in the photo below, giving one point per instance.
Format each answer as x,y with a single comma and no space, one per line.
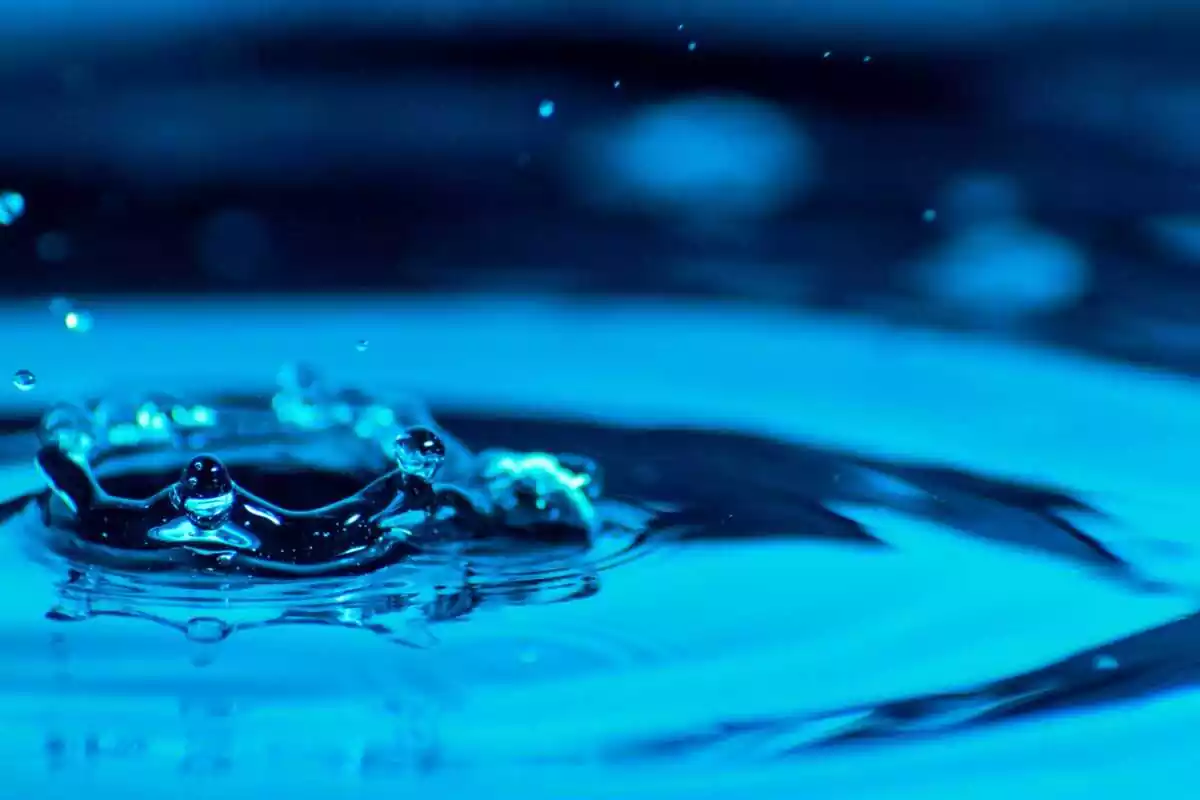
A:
24,380
1105,663
12,207
866,59
205,492
827,54
680,27
930,215
419,451
207,630
546,109
691,45
78,321
616,84
361,345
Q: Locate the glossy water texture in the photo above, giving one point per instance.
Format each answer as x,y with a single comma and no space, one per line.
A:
908,565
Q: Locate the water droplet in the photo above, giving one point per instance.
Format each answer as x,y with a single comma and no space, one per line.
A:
616,84
680,27
12,207
205,492
691,45
69,428
207,630
930,215
827,54
361,345
866,59
78,321
1105,663
24,380
546,109
419,451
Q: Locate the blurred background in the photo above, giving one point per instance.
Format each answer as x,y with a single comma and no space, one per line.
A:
1029,168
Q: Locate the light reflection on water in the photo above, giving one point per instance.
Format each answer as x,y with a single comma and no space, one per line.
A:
694,670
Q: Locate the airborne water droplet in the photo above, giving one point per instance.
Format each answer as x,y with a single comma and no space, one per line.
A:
78,321
930,215
419,451
24,380
546,109
12,207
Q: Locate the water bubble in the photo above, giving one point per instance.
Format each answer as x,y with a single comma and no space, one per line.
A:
419,451
207,630
361,345
691,45
24,380
546,109
12,207
205,492
78,321
930,215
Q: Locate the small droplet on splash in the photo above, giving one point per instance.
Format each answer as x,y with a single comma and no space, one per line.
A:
827,54
361,345
680,27
12,207
419,451
616,84
205,492
866,59
546,109
78,321
691,46
207,630
930,215
24,380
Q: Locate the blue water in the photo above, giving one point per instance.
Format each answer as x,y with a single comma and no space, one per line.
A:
908,564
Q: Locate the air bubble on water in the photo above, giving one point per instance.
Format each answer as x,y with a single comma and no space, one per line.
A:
12,207
207,630
930,215
78,321
361,345
546,109
24,380
691,45
419,451
205,492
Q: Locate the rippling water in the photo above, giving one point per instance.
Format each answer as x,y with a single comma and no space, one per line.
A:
840,559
